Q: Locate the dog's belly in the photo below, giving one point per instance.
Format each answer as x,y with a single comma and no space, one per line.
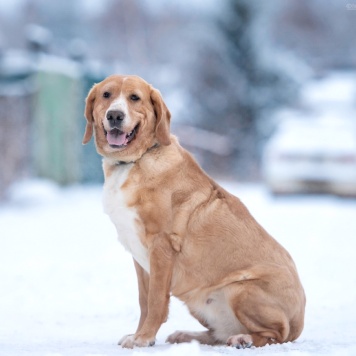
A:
216,312
125,218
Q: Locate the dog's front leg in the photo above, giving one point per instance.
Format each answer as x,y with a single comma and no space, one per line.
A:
143,280
161,265
143,284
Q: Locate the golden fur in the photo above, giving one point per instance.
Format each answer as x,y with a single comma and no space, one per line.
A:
200,243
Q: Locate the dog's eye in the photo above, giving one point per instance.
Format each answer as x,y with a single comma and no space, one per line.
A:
134,97
106,94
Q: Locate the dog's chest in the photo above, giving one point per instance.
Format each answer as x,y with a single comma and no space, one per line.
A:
125,219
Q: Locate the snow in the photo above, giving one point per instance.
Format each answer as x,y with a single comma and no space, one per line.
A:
337,88
313,136
69,288
54,64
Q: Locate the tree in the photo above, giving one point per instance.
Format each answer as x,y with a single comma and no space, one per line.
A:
236,83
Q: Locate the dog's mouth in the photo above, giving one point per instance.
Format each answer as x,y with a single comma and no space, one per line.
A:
118,139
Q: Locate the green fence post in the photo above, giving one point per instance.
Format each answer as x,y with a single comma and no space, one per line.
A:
56,129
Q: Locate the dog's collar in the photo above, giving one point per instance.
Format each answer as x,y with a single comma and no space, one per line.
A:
119,163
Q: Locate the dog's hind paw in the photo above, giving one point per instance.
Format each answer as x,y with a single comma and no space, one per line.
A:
241,341
203,337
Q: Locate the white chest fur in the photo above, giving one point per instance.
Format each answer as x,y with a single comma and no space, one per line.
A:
124,218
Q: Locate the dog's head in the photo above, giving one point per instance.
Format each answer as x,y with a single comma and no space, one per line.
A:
128,117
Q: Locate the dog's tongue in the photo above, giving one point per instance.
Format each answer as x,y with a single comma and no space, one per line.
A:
116,138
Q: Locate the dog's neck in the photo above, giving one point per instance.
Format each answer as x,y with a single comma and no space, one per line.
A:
119,163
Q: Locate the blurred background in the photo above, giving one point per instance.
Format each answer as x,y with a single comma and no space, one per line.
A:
263,93
258,91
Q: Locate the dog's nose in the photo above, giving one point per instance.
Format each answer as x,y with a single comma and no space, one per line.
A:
115,117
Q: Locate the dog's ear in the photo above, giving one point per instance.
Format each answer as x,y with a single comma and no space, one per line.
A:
88,113
163,118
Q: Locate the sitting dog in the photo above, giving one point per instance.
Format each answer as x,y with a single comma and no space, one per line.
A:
188,236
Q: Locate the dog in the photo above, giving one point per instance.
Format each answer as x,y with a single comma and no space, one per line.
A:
188,236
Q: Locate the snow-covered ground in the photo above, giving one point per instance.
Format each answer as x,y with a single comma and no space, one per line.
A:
68,288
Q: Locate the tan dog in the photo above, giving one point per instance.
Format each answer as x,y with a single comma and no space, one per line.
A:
187,235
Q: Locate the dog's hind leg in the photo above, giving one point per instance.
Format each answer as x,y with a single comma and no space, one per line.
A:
263,315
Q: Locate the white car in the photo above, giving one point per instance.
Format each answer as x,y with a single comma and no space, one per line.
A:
312,156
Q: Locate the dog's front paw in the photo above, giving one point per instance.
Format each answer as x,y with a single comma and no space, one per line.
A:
130,341
124,338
